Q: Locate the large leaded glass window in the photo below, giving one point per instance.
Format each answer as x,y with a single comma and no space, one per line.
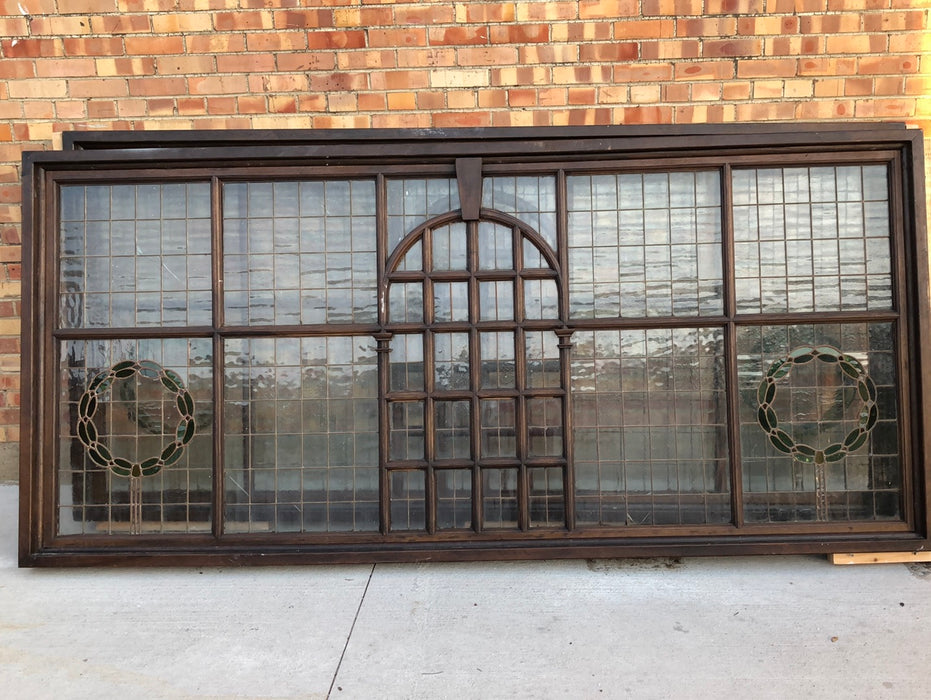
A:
476,347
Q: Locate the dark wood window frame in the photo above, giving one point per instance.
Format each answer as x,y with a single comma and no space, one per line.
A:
467,156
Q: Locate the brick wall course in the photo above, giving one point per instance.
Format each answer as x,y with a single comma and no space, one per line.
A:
215,64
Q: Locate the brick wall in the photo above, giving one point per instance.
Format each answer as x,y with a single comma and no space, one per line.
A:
219,64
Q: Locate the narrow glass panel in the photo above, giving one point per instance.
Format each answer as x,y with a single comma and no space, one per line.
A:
451,361
499,498
449,247
405,302
406,438
450,301
413,259
531,199
299,252
408,511
301,435
812,239
406,363
135,414
497,365
544,427
818,422
135,255
496,301
547,498
452,429
453,499
495,246
543,366
645,245
541,299
499,428
649,425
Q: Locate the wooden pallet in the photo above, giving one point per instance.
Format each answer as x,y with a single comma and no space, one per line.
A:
879,558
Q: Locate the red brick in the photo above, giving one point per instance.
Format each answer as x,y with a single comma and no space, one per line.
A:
642,72
120,24
706,27
458,36
413,36
148,46
856,43
672,8
500,55
338,39
246,63
602,9
887,65
766,68
339,82
425,14
214,85
612,53
65,67
705,70
216,43
30,48
647,115
466,119
491,11
669,49
643,29
10,68
733,7
233,21
719,48
303,19
157,86
177,65
95,46
313,60
276,41
827,66
98,87
400,80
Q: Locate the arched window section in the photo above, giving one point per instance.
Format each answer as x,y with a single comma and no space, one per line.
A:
475,383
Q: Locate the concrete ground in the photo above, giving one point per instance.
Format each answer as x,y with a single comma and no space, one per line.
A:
760,627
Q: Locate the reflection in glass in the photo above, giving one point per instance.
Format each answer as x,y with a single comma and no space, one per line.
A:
451,361
452,430
496,301
497,364
301,435
453,498
412,202
405,302
499,498
450,301
495,246
408,511
543,365
449,247
544,426
406,436
547,500
649,424
499,428
532,199
406,363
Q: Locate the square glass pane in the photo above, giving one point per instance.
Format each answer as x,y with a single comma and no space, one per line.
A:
496,301
450,301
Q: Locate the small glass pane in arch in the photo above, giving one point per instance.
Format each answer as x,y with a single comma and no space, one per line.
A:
449,247
495,246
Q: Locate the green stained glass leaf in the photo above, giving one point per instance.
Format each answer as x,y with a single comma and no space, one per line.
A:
782,441
149,369
806,450
82,433
802,355
169,384
82,406
168,452
834,457
828,354
97,457
779,369
174,457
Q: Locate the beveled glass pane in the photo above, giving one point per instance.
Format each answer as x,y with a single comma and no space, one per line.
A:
818,422
497,364
300,252
541,299
449,247
812,239
649,425
405,361
496,301
499,428
544,426
499,498
495,246
547,497
135,411
405,302
408,509
532,199
135,255
645,245
543,366
450,301
406,437
301,435
452,430
451,361
453,498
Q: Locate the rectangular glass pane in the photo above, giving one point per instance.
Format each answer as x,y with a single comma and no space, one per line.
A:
543,366
544,426
812,239
541,299
496,301
406,437
451,361
405,302
547,498
818,422
495,246
497,364
135,255
649,425
499,498
453,498
452,430
301,435
645,245
450,301
299,252
408,505
449,247
124,407
499,428
405,362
